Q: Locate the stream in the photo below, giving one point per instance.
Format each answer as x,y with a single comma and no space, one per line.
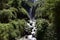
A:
31,34
32,23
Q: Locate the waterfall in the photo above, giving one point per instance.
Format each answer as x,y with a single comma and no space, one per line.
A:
32,23
32,10
32,35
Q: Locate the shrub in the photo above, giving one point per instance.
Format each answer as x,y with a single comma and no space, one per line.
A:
12,30
45,30
22,13
41,28
19,26
5,16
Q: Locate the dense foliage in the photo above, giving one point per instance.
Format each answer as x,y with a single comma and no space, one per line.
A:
12,30
13,18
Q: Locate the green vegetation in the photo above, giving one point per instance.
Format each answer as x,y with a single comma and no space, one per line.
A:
13,19
11,30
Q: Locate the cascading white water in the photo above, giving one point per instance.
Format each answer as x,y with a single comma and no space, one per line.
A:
32,9
33,32
32,22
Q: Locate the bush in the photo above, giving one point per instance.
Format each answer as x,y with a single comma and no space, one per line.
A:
45,30
5,16
41,25
10,31
4,31
22,13
19,24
